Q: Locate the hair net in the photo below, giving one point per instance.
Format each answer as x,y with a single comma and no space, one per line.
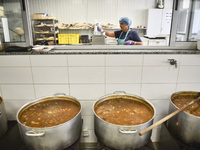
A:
126,21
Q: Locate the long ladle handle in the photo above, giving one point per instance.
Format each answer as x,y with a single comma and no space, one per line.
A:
167,117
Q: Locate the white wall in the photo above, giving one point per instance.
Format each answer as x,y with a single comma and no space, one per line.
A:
105,11
24,78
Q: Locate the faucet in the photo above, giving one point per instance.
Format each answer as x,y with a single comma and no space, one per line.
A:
173,62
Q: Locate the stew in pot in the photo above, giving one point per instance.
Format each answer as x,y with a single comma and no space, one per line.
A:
49,113
182,100
123,111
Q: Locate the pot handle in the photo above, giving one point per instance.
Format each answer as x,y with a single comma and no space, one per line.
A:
59,94
33,133
128,131
119,92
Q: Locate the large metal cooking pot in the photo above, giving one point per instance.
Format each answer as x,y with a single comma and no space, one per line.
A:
184,126
3,118
55,137
119,136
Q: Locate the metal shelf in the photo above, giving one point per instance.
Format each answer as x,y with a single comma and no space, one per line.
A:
52,30
103,28
75,28
47,33
45,19
139,28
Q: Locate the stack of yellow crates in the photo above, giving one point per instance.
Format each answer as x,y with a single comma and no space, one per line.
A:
64,38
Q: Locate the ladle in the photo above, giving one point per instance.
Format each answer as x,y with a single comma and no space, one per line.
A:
167,117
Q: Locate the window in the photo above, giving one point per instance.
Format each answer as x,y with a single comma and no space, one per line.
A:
14,22
178,22
188,26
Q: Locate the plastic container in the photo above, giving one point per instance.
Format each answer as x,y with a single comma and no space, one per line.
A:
38,48
68,38
42,48
84,39
40,16
157,42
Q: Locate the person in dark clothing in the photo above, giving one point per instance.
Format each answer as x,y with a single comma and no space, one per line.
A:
126,36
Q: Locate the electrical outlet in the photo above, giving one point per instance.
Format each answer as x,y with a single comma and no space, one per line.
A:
85,132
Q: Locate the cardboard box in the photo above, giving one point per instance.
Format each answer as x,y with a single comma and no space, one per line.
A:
40,16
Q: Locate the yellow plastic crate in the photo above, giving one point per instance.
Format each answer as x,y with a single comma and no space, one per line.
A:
68,38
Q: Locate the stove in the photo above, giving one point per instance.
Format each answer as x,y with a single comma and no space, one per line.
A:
11,140
168,142
148,146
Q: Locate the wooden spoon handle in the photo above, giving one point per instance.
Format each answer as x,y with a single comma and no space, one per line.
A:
167,117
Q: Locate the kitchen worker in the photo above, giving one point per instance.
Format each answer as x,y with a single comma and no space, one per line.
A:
126,36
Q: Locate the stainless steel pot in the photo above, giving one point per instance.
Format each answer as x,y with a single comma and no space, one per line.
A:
118,136
55,137
3,118
184,126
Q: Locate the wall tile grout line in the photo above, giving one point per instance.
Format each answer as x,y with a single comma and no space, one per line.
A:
32,76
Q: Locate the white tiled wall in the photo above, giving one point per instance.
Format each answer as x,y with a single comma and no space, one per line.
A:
13,61
15,75
88,77
18,92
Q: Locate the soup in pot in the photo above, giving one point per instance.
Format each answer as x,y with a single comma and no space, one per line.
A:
184,99
122,111
49,113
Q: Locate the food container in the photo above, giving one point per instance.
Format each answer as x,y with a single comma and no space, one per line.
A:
38,48
111,41
65,38
3,118
122,136
40,16
55,137
42,48
84,39
47,48
185,126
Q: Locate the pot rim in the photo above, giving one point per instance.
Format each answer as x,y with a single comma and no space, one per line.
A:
125,94
41,98
179,92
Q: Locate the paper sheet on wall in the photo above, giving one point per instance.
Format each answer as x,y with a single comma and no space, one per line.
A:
5,29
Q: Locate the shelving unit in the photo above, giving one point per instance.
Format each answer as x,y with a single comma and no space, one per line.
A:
141,31
45,31
89,31
103,28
